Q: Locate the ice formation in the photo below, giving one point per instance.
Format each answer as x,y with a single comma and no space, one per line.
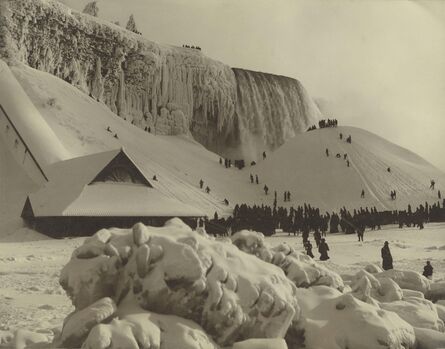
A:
172,287
170,89
298,267
175,271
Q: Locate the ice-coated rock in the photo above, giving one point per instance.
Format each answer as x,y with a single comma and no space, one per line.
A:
436,291
331,320
78,324
298,267
429,339
174,270
365,285
418,312
407,279
172,90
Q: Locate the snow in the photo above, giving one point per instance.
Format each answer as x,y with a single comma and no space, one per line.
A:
33,301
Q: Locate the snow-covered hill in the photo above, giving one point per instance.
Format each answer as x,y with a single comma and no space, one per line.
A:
179,162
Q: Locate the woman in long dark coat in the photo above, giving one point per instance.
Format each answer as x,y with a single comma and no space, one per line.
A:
386,257
323,248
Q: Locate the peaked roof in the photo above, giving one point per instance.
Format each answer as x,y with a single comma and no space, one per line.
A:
72,190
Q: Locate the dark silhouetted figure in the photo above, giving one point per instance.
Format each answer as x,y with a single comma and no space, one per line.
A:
207,190
226,202
256,179
345,156
362,194
251,178
201,183
215,216
275,194
264,155
155,178
108,129
327,152
349,139
323,249
266,189
149,129
338,156
220,161
360,233
433,183
386,257
347,163
308,248
428,270
116,136
341,135
439,195
253,163
388,169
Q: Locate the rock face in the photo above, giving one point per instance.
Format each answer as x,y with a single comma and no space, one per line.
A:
172,90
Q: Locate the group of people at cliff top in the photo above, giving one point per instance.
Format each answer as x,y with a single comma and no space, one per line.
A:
324,124
192,47
387,262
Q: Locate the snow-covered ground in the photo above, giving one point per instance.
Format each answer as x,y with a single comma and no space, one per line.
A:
31,298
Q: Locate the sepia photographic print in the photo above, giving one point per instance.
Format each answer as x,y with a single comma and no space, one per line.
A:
222,174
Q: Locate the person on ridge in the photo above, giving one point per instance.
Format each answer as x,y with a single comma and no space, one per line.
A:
266,189
207,190
264,155
363,193
256,179
251,178
201,183
327,152
386,257
428,270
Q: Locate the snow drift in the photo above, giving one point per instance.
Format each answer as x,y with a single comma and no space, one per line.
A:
172,90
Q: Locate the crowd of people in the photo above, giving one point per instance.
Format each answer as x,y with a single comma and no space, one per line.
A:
305,219
192,47
324,124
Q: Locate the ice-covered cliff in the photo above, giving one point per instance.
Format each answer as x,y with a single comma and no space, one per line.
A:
170,90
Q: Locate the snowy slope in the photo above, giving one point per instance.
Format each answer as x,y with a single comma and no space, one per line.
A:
299,166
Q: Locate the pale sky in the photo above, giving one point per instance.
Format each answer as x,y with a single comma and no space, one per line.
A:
379,64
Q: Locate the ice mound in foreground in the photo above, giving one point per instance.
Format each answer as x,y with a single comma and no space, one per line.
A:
298,267
173,270
332,320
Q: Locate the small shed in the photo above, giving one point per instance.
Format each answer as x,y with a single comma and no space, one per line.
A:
97,191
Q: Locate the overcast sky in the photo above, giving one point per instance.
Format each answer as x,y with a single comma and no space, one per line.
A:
380,64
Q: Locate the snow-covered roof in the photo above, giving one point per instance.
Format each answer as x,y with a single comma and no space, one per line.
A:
73,191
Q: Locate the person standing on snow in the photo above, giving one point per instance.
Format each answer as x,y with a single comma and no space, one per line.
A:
362,195
308,248
201,183
386,257
428,270
323,249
